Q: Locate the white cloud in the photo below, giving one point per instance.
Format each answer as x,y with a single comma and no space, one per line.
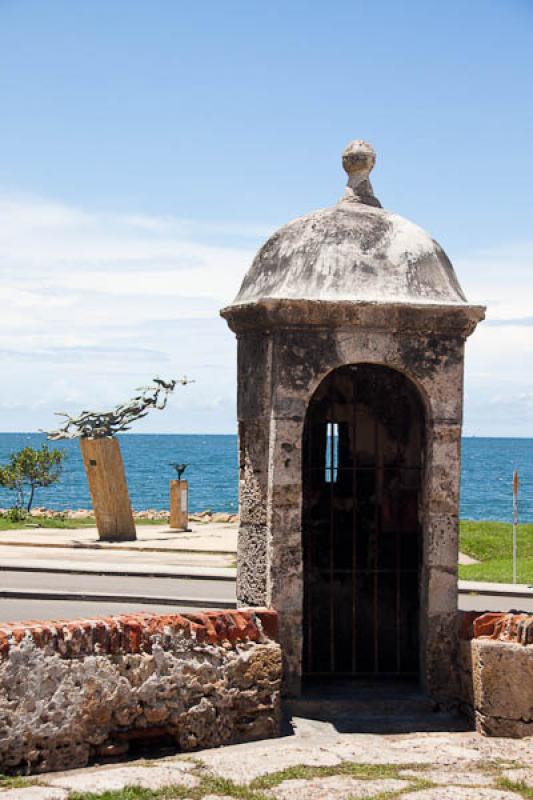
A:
95,304
501,279
499,355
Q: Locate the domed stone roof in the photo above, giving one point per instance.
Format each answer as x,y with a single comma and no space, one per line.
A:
355,252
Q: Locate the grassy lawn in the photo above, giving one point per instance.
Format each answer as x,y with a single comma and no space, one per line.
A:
46,522
491,543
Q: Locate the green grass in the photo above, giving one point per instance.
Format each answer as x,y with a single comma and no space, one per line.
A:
258,789
44,522
15,782
208,785
511,786
129,793
59,522
491,543
353,770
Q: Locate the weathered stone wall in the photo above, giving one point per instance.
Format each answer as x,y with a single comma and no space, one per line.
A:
286,349
495,669
73,690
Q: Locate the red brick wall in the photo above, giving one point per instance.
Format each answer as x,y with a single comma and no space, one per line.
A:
134,633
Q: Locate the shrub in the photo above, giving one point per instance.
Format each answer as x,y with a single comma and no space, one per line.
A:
28,469
15,514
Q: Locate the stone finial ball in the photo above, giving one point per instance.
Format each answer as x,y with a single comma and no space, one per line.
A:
359,158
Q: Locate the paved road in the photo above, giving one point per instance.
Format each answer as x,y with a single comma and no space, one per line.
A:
476,602
163,591
13,610
112,584
186,593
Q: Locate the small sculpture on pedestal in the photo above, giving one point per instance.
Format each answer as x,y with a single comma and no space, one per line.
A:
179,499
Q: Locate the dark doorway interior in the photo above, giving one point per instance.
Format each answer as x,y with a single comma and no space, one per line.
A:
363,454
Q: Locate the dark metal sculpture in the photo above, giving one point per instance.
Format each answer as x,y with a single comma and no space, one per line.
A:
100,424
180,469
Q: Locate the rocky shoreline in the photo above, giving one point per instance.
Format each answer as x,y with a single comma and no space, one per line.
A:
146,514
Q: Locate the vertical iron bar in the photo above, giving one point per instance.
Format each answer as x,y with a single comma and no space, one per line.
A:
397,535
353,439
377,496
309,543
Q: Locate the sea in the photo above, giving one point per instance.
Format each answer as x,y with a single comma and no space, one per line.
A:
212,471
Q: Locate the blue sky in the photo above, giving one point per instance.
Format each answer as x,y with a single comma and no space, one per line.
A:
147,149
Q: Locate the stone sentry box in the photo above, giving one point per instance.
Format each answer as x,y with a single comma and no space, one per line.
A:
351,327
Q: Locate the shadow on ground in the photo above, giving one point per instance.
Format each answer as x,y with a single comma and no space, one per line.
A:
385,707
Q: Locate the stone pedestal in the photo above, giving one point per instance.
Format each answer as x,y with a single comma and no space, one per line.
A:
179,504
109,490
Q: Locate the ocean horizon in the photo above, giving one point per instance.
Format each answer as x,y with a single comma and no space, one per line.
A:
486,478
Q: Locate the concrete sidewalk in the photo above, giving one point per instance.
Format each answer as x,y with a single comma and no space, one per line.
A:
11,561
497,589
211,537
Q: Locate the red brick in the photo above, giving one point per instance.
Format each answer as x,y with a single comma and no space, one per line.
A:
135,632
269,621
507,627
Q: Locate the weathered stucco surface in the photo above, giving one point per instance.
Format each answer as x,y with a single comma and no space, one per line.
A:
68,692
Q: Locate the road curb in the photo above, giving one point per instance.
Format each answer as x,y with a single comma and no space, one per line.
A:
120,548
162,600
183,574
496,590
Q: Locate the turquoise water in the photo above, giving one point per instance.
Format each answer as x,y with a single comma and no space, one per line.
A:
486,493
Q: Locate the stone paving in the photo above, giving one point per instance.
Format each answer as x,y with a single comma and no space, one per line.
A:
317,762
335,788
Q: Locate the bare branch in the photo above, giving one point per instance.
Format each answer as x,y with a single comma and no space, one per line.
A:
99,424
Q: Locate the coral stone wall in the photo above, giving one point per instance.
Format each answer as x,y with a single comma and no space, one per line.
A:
495,666
73,690
286,349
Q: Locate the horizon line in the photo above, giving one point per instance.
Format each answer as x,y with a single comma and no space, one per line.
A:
196,433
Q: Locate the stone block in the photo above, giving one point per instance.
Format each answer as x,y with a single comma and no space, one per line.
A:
336,787
524,775
442,541
441,592
35,793
460,793
252,564
254,359
113,779
289,407
503,685
502,728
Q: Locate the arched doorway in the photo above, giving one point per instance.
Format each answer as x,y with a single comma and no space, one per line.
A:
363,453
